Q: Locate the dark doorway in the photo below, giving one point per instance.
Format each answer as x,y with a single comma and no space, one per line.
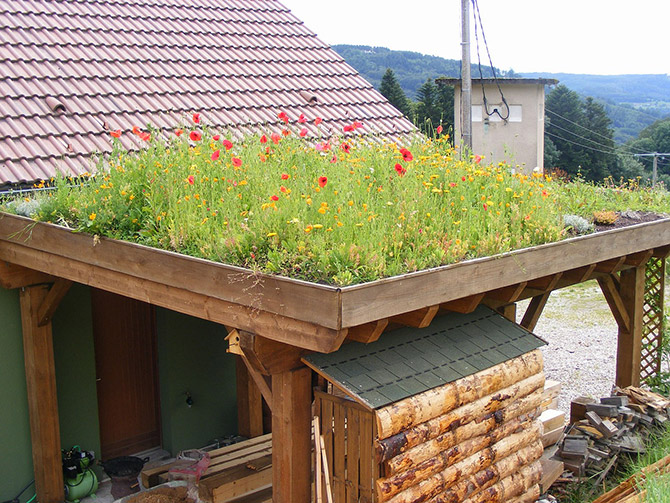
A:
127,374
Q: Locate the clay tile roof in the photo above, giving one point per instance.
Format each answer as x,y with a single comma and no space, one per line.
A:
71,70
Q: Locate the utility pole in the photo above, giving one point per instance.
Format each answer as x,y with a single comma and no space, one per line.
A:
466,78
654,173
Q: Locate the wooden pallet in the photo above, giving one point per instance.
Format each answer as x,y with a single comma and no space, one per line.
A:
242,469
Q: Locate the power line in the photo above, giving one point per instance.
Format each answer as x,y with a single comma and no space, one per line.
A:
580,144
582,137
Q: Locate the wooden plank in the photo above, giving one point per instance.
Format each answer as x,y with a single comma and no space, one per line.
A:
368,332
42,398
420,318
244,419
611,266
16,276
273,326
507,294
291,436
51,302
236,481
545,283
579,275
353,454
258,388
630,340
366,472
534,311
609,289
301,300
318,468
464,305
638,259
387,297
339,453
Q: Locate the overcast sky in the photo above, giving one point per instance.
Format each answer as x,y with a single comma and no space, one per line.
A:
570,36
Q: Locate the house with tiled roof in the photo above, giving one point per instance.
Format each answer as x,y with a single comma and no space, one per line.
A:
72,71
132,376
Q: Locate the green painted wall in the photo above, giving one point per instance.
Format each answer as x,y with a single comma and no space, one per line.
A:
192,357
16,465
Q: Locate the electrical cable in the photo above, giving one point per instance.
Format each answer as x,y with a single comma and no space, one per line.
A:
479,63
592,141
580,144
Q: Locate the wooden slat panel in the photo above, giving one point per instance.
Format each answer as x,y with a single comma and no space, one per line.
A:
339,453
385,298
272,326
353,454
367,459
42,400
296,299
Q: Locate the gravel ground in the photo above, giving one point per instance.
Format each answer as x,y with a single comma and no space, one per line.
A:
582,337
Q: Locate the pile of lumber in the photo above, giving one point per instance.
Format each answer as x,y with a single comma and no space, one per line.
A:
473,440
241,472
602,430
630,490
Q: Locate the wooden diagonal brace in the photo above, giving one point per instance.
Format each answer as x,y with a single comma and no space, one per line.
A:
464,305
51,302
534,310
260,382
611,292
420,318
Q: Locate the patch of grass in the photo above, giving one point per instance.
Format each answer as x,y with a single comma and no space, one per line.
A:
340,210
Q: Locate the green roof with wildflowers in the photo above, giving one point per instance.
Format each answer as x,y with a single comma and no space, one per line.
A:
340,210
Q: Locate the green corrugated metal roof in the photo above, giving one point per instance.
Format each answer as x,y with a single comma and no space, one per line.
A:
409,361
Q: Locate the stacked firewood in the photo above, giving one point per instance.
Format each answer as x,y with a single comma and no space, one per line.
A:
602,430
473,440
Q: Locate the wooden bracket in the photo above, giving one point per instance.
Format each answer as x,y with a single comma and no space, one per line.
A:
638,259
662,252
508,294
51,302
260,381
545,283
534,310
610,266
16,276
368,332
611,292
268,356
580,274
420,318
464,305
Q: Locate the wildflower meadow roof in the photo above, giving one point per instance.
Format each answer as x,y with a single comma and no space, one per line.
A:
71,71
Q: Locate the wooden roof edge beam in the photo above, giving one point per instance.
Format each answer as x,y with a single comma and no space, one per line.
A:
52,300
368,332
464,305
420,318
16,276
610,290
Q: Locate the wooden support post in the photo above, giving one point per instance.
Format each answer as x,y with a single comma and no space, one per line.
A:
630,340
42,399
291,436
249,403
534,310
508,311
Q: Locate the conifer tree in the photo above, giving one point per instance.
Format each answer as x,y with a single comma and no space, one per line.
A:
391,89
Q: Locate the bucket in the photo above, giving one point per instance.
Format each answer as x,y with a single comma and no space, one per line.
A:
123,472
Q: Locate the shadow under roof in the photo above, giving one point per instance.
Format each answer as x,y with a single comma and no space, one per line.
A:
409,361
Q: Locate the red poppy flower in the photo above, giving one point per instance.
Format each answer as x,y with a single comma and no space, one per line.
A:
282,188
486,207
216,137
323,181
116,133
275,138
348,128
452,184
274,198
357,124
136,130
283,117
284,176
399,169
191,179
303,132
406,155
262,157
439,129
318,121
179,132
264,139
333,159
196,118
302,119
195,136
478,159
285,132
145,136
346,147
215,155
237,162
228,144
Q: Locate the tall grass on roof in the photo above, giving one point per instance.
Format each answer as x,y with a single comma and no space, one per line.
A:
341,210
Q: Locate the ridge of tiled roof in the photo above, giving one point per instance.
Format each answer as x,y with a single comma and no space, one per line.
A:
114,64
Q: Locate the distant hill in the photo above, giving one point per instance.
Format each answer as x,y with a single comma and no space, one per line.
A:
633,102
